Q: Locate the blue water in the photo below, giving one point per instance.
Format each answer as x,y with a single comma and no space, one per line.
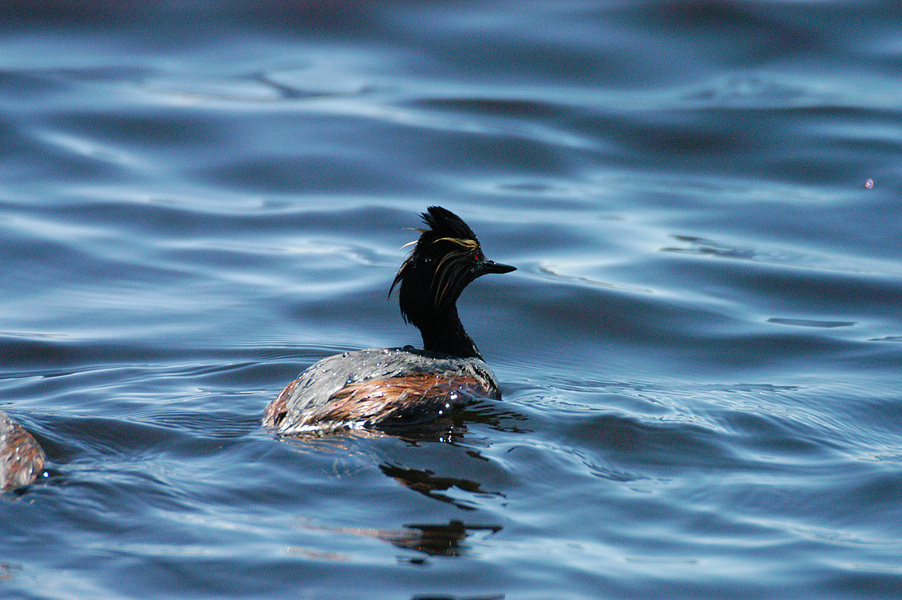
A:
699,353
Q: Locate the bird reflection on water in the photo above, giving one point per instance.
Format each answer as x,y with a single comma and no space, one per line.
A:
447,539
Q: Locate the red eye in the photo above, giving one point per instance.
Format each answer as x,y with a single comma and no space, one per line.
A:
476,256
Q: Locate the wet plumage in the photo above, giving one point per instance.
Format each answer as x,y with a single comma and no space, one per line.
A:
403,386
21,458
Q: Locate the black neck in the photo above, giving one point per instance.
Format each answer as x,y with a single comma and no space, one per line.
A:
445,333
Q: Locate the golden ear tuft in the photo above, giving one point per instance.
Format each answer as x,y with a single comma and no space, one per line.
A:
463,243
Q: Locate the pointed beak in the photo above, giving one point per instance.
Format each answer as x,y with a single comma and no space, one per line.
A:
486,266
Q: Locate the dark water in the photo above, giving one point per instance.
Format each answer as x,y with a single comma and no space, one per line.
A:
700,352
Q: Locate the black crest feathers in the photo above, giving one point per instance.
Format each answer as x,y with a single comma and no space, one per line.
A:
445,259
444,223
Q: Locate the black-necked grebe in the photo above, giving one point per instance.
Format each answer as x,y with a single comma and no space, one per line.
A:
403,386
21,458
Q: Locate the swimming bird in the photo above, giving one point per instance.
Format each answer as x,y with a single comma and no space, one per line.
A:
391,387
21,457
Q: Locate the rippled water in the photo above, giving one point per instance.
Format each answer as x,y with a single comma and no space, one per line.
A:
699,353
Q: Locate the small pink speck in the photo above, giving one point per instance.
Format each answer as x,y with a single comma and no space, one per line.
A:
869,183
